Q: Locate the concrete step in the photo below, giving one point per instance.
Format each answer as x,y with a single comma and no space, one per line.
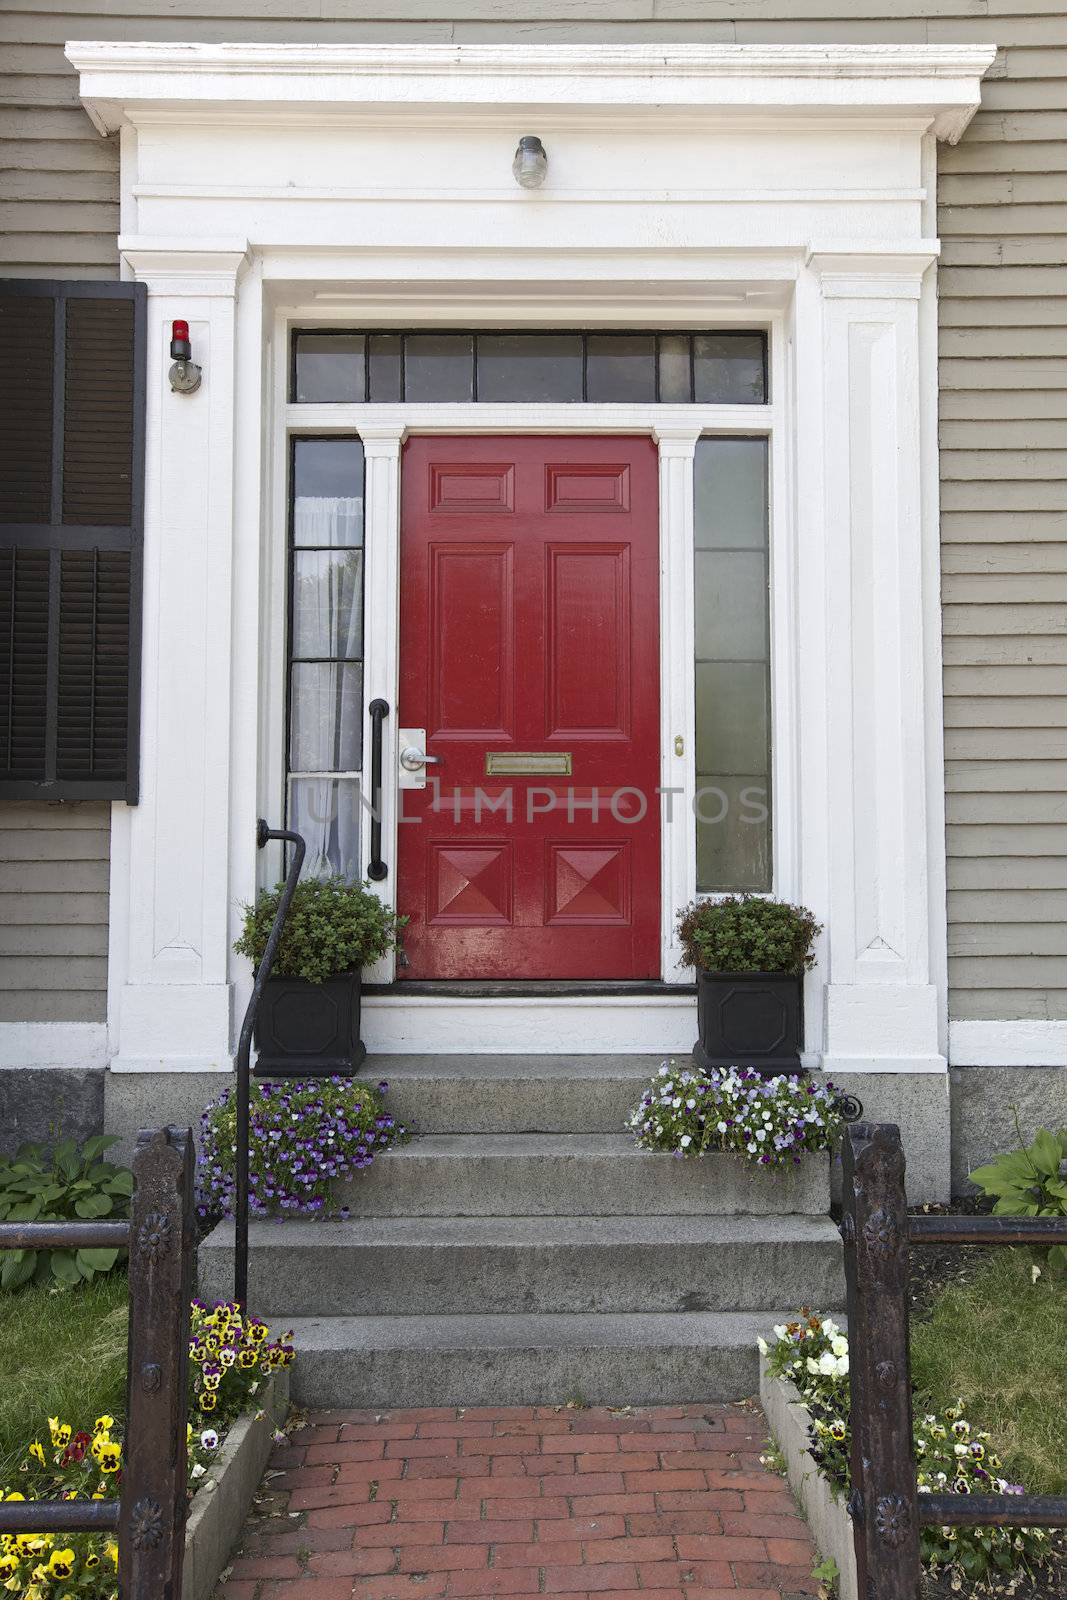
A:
513,1094
617,1360
574,1174
417,1266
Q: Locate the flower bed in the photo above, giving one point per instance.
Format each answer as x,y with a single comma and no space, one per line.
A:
809,1359
302,1136
772,1121
232,1365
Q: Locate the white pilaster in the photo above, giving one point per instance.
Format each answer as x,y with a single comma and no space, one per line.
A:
381,652
171,926
882,1005
677,450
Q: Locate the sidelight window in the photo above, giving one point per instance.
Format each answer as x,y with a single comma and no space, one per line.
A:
733,680
325,754
728,367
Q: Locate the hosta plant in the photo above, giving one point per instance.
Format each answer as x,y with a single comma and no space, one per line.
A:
952,1455
302,1136
771,1121
1032,1182
332,926
73,1182
230,1358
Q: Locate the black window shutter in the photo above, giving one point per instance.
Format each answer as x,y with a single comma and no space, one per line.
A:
72,398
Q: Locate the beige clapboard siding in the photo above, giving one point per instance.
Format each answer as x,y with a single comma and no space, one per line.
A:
53,912
1003,299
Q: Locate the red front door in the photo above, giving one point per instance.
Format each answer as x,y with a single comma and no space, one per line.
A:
529,652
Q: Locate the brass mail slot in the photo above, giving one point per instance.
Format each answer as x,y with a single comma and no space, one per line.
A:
523,763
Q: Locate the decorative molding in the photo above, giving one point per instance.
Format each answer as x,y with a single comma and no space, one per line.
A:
1008,1044
204,268
873,272
938,84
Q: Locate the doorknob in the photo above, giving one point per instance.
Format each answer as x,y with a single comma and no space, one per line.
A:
412,759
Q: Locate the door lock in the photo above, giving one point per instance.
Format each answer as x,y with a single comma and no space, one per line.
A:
413,760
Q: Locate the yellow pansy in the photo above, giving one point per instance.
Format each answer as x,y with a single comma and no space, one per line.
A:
36,1451
110,1457
61,1563
111,1550
208,1400
60,1432
103,1424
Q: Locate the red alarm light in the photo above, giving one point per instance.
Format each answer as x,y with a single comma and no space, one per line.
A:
180,347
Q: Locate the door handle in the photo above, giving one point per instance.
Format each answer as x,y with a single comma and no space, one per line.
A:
412,759
376,867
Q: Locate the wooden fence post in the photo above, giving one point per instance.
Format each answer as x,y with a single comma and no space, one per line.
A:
153,1505
884,1495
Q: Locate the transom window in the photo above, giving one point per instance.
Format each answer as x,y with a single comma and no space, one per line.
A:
728,367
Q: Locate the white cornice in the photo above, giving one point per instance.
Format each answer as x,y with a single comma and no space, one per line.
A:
937,83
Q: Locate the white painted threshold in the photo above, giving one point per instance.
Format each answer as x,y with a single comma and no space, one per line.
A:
543,1025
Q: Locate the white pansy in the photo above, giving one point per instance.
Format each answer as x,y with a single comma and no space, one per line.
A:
685,1141
764,1347
839,1346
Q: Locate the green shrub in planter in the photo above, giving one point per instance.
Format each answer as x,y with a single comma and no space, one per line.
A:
72,1183
750,956
747,933
333,926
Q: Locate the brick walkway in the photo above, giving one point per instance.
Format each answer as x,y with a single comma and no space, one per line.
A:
668,1503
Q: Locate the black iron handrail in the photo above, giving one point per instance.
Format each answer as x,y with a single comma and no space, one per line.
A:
149,1514
264,835
886,1506
376,867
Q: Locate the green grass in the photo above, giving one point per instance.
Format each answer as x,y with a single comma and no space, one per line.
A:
998,1341
63,1353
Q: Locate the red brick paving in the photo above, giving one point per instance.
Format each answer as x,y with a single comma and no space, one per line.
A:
666,1503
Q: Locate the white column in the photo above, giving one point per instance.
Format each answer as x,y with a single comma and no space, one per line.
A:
381,645
881,1004
677,449
170,926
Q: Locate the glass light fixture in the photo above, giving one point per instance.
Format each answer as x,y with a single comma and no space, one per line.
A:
530,165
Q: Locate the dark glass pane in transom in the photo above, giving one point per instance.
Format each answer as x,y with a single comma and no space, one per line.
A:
620,367
385,358
729,369
328,367
530,366
675,369
438,367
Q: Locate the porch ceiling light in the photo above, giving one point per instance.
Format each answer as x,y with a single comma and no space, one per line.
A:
530,165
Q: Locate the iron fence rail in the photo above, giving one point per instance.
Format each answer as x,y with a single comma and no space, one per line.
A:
886,1506
149,1514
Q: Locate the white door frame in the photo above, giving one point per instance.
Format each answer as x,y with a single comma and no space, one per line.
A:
676,430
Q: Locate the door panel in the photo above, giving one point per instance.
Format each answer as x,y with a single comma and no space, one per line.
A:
530,640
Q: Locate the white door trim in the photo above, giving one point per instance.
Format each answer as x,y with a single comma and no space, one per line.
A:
676,430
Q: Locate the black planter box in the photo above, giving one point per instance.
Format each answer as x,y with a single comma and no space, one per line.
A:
309,1030
750,1019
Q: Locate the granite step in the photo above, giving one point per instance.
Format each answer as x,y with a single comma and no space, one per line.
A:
418,1266
528,1359
575,1174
